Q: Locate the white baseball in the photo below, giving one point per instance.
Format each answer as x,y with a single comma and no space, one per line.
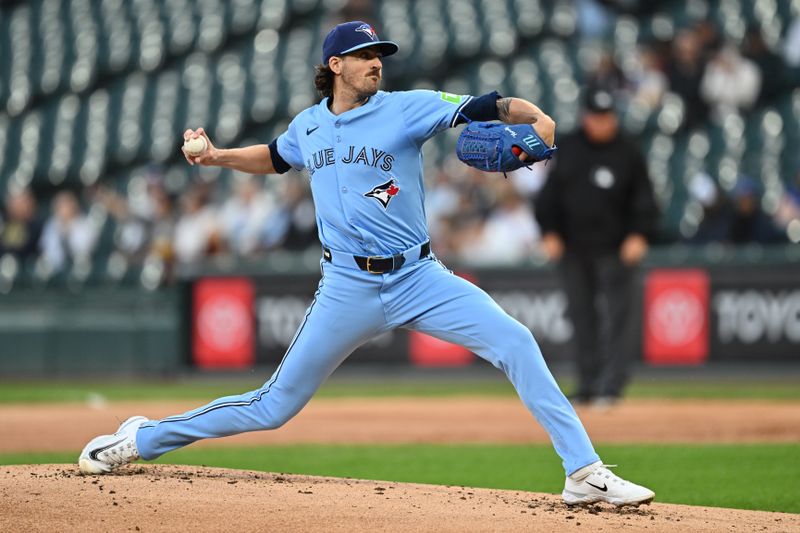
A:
195,146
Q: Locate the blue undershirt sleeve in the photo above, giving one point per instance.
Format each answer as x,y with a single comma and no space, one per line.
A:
280,164
483,108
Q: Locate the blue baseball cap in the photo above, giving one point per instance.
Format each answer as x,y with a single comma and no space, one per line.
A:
351,36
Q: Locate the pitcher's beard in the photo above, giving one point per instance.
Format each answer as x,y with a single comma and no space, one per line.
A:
362,94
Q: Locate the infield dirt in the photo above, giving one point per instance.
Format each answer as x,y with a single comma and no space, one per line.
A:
61,427
178,498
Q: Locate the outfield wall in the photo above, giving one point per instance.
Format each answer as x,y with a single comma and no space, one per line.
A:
682,316
96,331
685,315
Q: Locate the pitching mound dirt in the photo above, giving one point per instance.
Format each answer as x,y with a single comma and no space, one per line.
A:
177,498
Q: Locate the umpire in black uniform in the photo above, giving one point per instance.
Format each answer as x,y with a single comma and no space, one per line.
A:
596,211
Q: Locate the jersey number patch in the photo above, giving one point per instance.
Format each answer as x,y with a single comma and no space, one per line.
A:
384,193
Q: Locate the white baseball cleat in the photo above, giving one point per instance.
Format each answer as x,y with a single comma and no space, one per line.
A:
602,485
106,452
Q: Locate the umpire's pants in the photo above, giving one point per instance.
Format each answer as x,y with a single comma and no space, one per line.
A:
599,293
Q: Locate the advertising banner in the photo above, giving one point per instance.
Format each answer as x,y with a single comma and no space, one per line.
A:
725,312
755,313
689,316
676,317
533,298
223,325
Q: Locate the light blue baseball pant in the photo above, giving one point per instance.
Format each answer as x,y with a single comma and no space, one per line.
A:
349,308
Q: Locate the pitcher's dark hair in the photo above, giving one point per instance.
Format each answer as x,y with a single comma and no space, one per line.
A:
323,80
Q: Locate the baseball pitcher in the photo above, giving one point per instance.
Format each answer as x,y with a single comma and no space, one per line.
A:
361,149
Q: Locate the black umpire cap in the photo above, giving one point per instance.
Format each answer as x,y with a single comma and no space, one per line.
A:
599,101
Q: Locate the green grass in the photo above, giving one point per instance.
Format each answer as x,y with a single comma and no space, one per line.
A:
203,390
760,477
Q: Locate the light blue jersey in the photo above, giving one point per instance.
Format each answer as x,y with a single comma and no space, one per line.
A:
365,167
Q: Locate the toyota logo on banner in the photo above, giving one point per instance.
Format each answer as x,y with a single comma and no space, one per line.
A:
676,317
223,329
224,323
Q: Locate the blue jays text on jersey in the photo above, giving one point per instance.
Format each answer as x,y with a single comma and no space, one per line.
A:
365,156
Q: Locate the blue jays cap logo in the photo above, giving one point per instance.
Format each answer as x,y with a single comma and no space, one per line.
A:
368,31
350,36
384,193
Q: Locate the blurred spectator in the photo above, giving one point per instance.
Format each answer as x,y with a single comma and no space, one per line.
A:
20,230
197,232
730,80
294,225
464,226
529,180
787,215
774,79
244,216
141,200
68,235
356,10
685,73
717,213
441,202
648,82
132,236
509,235
162,231
736,218
597,212
607,75
749,223
476,197
708,38
445,238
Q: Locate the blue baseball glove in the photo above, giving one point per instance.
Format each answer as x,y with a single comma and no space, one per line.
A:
495,147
